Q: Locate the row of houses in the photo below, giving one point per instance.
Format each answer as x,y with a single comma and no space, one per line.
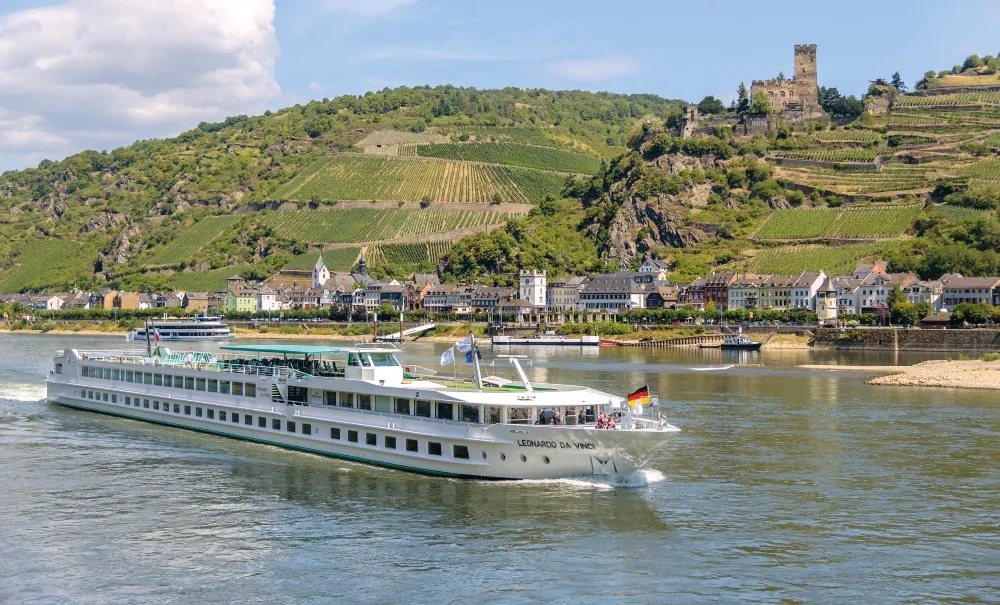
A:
113,299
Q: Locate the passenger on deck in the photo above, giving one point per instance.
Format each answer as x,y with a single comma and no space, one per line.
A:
611,422
602,421
557,418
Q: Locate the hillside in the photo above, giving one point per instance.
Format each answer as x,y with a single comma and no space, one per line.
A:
398,174
480,184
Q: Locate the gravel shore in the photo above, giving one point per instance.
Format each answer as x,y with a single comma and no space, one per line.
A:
972,374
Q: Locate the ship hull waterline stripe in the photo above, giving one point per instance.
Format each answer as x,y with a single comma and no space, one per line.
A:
389,465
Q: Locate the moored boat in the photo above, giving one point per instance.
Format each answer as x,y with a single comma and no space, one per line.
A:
198,328
360,403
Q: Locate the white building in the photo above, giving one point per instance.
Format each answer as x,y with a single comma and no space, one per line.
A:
744,292
320,273
267,300
804,289
658,268
614,293
563,293
532,288
826,302
924,291
956,289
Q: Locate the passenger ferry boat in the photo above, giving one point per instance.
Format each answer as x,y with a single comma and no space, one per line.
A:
740,342
198,328
359,403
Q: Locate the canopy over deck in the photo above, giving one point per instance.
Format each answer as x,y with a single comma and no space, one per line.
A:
280,349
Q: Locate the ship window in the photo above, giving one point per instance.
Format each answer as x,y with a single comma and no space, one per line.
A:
199,384
210,413
238,388
261,422
460,451
128,376
402,406
236,417
364,401
433,448
156,404
371,439
346,400
147,378
177,408
197,412
519,415
384,360
352,436
224,387
352,359
334,433
213,385
495,414
445,411
329,397
250,390
422,408
168,380
158,380
222,415
412,445
469,413
307,428
145,403
290,427
114,398
276,424
116,374
128,401
189,383
383,403
187,410
90,394
390,442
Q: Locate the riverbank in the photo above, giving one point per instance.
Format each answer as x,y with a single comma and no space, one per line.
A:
972,374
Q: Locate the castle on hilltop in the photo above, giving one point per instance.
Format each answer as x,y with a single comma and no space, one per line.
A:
798,98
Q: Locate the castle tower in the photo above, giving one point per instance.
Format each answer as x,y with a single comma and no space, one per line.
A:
533,287
806,79
826,302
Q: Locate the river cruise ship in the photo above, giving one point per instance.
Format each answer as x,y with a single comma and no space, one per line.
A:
360,403
198,328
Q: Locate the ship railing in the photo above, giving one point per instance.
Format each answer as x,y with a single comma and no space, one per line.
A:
415,371
196,362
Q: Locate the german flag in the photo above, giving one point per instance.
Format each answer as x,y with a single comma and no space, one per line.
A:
640,396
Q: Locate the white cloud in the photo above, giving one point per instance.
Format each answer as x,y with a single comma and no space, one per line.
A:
366,8
102,73
315,86
595,70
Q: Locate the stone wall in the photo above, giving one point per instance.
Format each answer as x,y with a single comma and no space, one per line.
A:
909,340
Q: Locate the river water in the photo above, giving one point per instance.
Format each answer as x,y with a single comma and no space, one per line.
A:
784,486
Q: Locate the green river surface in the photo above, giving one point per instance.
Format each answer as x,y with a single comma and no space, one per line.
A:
784,486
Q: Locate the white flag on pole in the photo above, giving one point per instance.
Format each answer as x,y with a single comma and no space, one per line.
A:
129,336
448,356
464,346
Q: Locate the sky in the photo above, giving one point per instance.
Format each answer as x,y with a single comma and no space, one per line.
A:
98,74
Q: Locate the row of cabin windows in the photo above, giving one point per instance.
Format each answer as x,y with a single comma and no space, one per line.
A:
426,409
388,441
189,383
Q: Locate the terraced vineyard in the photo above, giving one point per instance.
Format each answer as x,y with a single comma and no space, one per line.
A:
988,170
847,136
184,247
407,255
45,262
912,121
364,225
968,99
335,259
347,177
831,155
528,156
398,137
958,213
797,224
892,177
864,222
205,281
834,260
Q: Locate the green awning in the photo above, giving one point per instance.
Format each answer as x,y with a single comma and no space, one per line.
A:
285,349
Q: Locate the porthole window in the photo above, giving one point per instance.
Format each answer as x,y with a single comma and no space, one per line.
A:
545,459
483,454
503,456
524,458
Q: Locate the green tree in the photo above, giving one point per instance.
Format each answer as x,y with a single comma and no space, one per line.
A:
760,104
827,97
711,310
894,297
897,82
972,62
742,100
710,105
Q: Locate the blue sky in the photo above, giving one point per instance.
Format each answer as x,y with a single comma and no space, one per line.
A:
78,74
674,49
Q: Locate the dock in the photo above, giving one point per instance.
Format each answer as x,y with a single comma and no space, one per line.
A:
584,341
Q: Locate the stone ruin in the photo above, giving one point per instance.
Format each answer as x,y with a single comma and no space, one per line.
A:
798,98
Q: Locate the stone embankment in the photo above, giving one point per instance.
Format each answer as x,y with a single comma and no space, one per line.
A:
892,339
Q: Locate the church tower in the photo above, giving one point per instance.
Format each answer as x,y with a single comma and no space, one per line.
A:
320,273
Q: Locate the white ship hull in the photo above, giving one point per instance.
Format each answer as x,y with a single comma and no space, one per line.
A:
418,444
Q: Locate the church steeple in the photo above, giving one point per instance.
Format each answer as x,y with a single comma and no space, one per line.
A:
362,266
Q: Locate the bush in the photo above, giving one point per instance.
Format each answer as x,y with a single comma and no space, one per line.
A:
46,326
